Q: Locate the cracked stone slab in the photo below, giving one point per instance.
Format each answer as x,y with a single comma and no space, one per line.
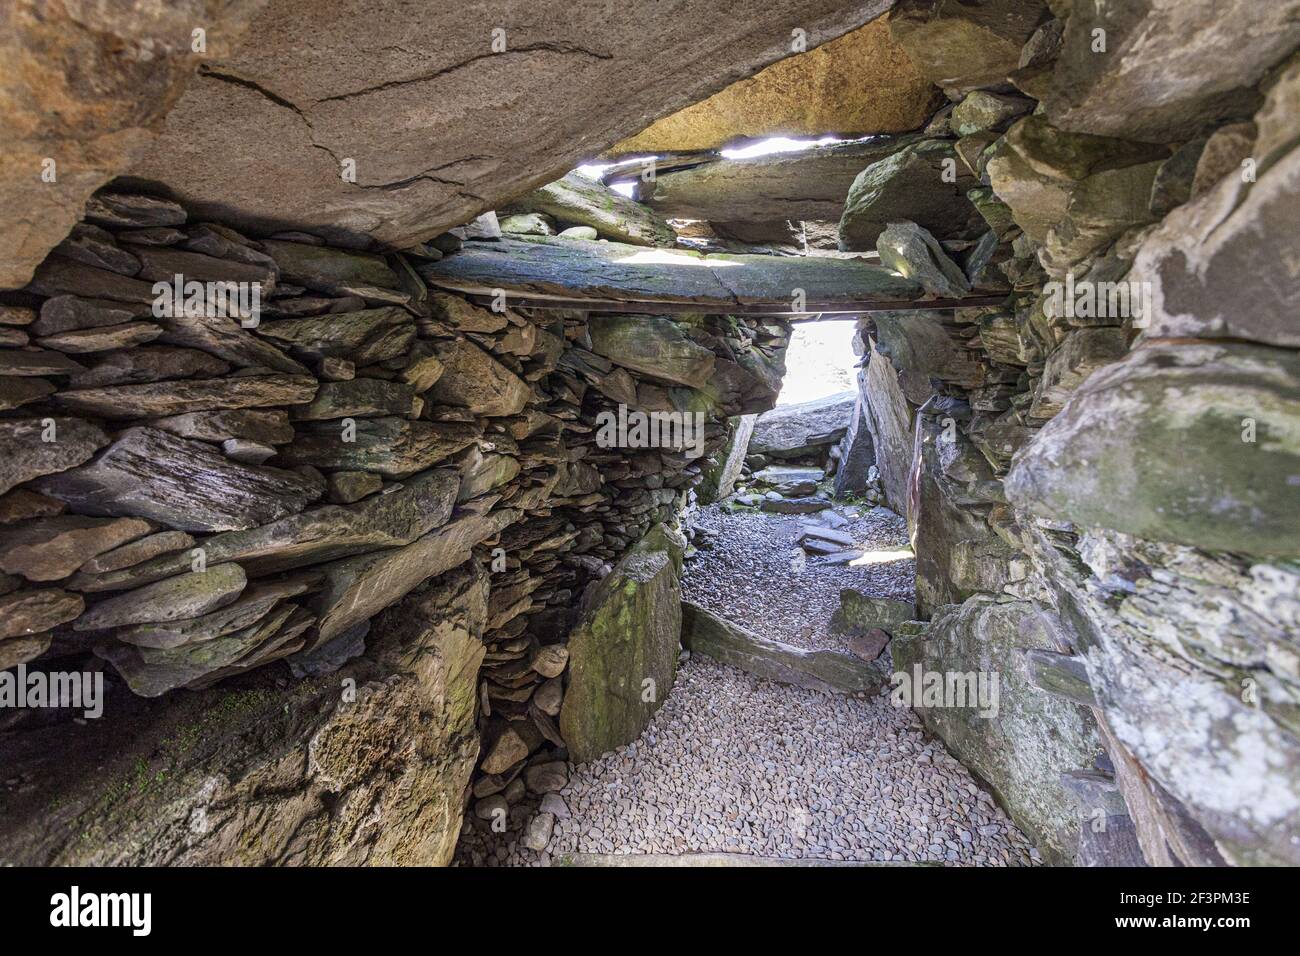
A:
574,269
439,126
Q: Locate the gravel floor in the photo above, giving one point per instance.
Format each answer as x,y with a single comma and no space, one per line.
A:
733,763
756,575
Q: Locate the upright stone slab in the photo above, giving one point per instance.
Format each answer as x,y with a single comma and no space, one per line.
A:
622,655
1018,738
720,480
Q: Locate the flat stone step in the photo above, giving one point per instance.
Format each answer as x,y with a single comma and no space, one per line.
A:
707,859
703,632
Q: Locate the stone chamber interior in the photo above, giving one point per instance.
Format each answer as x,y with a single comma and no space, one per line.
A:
373,567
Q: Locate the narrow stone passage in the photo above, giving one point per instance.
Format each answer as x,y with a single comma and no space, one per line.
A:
736,764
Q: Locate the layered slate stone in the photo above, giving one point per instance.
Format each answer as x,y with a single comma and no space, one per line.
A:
363,337
159,399
393,447
184,596
423,503
653,345
473,379
622,655
1141,448
923,182
35,447
148,473
575,270
47,549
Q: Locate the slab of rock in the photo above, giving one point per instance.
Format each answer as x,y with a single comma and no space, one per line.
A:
357,588
226,338
910,184
21,504
629,633
983,111
1168,413
102,338
527,224
803,184
703,632
16,392
267,426
48,549
345,487
184,596
1195,259
720,480
363,337
20,650
608,270
146,364
984,640
28,453
59,275
586,202
1076,357
870,645
359,398
329,270
128,555
789,480
653,345
160,399
911,251
392,447
164,263
347,111
858,613
794,506
27,613
791,431
1170,68
464,315
149,473
32,362
473,379
962,47
251,607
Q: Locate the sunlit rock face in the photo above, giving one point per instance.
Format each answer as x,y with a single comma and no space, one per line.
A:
859,84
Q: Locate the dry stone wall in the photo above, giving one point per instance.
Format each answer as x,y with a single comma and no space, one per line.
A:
1099,477
366,474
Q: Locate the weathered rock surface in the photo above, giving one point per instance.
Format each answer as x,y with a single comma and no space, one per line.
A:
1170,67
1143,448
1016,737
47,549
720,480
413,719
27,613
653,345
622,655
473,379
961,46
159,399
363,337
791,431
861,82
133,61
151,474
33,448
560,269
184,596
922,182
830,671
585,202
859,613
305,112
912,252
393,447
804,184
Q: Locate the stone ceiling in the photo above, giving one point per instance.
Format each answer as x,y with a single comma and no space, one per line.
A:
861,83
